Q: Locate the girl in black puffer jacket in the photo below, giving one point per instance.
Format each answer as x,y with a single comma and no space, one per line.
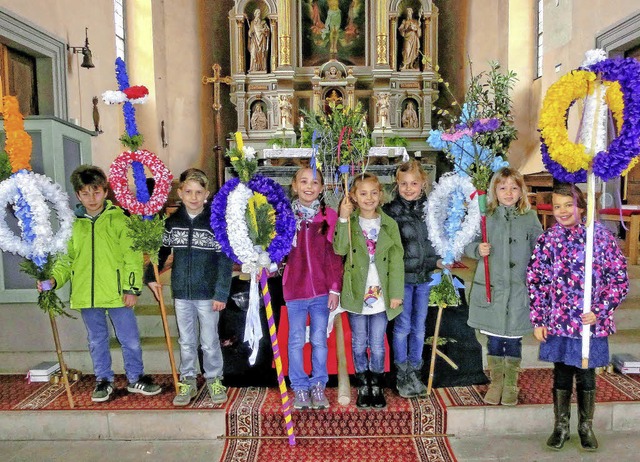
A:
420,259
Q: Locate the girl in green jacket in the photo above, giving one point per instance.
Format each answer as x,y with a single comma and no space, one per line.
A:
369,293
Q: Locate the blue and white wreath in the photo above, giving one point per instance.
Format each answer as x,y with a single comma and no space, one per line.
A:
30,195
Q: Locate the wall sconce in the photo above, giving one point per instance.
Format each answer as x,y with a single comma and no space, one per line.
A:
87,61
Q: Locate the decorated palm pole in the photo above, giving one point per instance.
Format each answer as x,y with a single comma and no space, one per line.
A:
146,226
462,144
340,147
30,196
611,112
452,219
252,220
477,140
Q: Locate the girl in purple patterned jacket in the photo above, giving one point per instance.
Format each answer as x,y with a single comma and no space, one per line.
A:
555,278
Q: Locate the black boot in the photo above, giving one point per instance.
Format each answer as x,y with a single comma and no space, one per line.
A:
377,396
586,406
562,412
364,393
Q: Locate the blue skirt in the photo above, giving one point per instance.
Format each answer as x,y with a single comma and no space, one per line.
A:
569,351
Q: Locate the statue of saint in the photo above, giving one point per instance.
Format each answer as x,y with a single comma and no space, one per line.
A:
258,118
285,111
411,32
383,109
332,24
410,116
259,33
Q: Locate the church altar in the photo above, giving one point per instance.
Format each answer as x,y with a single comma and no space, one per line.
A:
293,153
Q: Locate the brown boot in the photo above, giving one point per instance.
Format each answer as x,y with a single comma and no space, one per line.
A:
496,372
586,406
511,373
562,413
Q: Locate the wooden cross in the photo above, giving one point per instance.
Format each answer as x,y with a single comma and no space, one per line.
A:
216,80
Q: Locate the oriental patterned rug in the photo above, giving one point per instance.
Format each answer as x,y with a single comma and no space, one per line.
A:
342,433
17,394
535,388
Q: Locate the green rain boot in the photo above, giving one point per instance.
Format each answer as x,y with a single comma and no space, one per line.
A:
510,388
496,372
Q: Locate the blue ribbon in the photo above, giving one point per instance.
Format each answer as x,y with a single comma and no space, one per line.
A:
436,278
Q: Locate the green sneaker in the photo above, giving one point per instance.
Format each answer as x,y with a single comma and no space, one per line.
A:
217,391
188,389
102,392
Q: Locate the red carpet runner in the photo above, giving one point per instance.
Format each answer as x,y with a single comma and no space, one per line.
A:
256,412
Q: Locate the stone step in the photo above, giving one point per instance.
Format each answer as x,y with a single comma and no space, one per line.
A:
526,419
209,424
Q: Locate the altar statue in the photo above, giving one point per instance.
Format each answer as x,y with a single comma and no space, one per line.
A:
410,116
285,111
258,118
411,32
383,109
259,33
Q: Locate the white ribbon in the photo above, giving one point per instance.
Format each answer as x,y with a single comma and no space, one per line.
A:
253,326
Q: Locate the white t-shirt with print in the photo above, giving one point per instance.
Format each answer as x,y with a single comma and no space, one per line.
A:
373,302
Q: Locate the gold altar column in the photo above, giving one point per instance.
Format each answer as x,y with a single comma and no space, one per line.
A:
241,46
426,39
274,41
285,35
393,47
381,28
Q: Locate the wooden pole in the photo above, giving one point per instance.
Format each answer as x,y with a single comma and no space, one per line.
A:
344,387
340,437
434,347
167,334
63,366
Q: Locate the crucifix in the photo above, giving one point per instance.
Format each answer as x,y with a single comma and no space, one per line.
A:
216,80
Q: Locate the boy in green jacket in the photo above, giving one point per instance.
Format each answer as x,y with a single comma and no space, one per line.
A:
105,277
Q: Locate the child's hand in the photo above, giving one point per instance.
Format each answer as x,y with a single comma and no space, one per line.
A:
441,265
333,301
218,306
588,318
48,284
156,288
484,249
346,208
540,333
130,300
395,303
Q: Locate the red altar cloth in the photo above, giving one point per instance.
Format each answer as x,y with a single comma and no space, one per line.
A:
332,361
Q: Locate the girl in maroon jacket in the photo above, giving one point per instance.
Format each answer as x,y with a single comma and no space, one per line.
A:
312,281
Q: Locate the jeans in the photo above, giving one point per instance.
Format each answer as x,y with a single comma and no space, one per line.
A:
190,313
368,331
126,329
501,346
409,326
317,310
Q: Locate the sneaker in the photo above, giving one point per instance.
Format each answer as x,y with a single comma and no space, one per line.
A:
188,389
301,399
318,399
102,391
217,391
144,386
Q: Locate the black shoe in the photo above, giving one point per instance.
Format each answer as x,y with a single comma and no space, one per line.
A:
377,395
144,386
364,393
562,412
586,406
